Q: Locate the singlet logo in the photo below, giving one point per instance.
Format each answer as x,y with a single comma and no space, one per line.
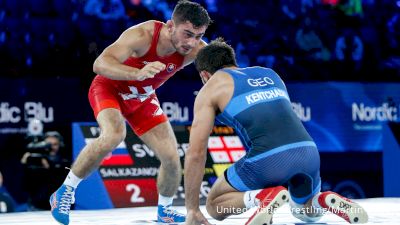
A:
260,82
170,67
158,110
135,93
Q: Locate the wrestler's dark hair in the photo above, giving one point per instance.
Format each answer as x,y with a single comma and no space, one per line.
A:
215,56
190,11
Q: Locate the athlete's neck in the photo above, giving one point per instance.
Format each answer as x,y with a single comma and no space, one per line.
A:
165,46
231,67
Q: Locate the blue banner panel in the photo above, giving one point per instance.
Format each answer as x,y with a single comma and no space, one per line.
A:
340,116
346,116
56,102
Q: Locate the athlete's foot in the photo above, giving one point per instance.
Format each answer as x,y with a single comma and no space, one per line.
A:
343,207
270,200
168,215
60,202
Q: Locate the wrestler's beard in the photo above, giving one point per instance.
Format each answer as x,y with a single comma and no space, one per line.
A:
175,42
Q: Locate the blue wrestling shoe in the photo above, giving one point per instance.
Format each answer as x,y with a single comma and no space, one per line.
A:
60,202
168,215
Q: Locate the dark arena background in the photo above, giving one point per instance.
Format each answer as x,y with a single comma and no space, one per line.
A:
340,60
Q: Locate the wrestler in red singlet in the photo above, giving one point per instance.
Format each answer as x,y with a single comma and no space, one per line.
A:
136,99
130,70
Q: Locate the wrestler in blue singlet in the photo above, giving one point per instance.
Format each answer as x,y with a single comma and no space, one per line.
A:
279,149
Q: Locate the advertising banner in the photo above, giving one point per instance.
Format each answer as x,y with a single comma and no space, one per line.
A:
339,116
346,116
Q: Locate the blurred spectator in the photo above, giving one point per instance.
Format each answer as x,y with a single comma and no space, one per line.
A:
368,2
67,34
391,61
105,9
7,203
294,9
351,7
291,8
266,60
349,52
330,2
307,5
212,6
309,43
159,6
393,26
137,12
243,59
349,46
43,163
45,152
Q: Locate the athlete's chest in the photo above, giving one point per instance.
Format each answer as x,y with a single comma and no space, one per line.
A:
172,62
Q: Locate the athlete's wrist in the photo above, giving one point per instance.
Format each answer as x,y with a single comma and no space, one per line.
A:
133,75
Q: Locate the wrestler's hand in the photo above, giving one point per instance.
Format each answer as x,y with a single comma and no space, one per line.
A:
150,70
196,217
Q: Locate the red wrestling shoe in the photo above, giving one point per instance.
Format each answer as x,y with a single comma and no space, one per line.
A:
342,207
270,200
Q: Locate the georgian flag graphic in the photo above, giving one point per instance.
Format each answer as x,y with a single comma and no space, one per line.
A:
225,149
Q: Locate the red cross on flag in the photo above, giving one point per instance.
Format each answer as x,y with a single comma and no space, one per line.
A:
225,149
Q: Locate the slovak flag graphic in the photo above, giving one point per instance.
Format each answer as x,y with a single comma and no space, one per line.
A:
119,157
170,67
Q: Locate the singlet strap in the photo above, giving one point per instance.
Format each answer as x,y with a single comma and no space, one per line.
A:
157,30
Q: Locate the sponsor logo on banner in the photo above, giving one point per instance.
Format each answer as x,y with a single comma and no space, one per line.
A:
94,131
304,113
12,115
370,117
9,114
30,110
174,112
143,151
362,112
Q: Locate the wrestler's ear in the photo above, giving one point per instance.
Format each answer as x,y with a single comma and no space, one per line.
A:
170,25
205,76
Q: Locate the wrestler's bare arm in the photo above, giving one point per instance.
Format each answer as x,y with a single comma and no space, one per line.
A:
204,115
132,41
